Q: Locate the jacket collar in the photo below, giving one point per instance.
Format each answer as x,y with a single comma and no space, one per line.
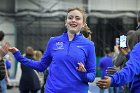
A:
76,36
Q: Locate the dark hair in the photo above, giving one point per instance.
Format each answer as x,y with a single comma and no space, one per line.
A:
133,39
107,50
1,35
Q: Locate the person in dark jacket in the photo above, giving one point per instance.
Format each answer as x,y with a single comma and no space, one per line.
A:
29,81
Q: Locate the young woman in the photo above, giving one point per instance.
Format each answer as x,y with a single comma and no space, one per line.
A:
70,57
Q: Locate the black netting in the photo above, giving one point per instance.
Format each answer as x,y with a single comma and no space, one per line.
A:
36,32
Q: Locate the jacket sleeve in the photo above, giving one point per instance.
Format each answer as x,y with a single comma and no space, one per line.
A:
131,69
90,74
119,60
38,65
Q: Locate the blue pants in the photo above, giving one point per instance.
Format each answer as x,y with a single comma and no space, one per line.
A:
3,86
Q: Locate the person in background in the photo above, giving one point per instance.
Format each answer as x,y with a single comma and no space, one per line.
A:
120,59
3,70
2,65
131,72
37,55
104,63
29,81
42,75
71,58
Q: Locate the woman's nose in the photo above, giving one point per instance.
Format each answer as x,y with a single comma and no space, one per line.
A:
73,19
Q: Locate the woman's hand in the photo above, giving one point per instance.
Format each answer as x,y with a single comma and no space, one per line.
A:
13,49
81,67
104,83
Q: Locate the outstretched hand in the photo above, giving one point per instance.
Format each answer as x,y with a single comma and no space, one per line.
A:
81,67
104,83
13,49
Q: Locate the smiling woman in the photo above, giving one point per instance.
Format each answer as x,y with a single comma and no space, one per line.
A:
70,54
76,20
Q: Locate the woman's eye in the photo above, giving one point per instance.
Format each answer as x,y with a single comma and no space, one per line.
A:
77,18
69,17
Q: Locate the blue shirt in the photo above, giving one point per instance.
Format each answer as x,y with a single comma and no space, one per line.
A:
105,62
62,56
8,64
131,72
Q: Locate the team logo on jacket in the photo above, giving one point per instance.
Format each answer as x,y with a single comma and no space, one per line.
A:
59,45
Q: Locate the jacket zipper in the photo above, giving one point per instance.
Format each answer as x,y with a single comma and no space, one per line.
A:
68,47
